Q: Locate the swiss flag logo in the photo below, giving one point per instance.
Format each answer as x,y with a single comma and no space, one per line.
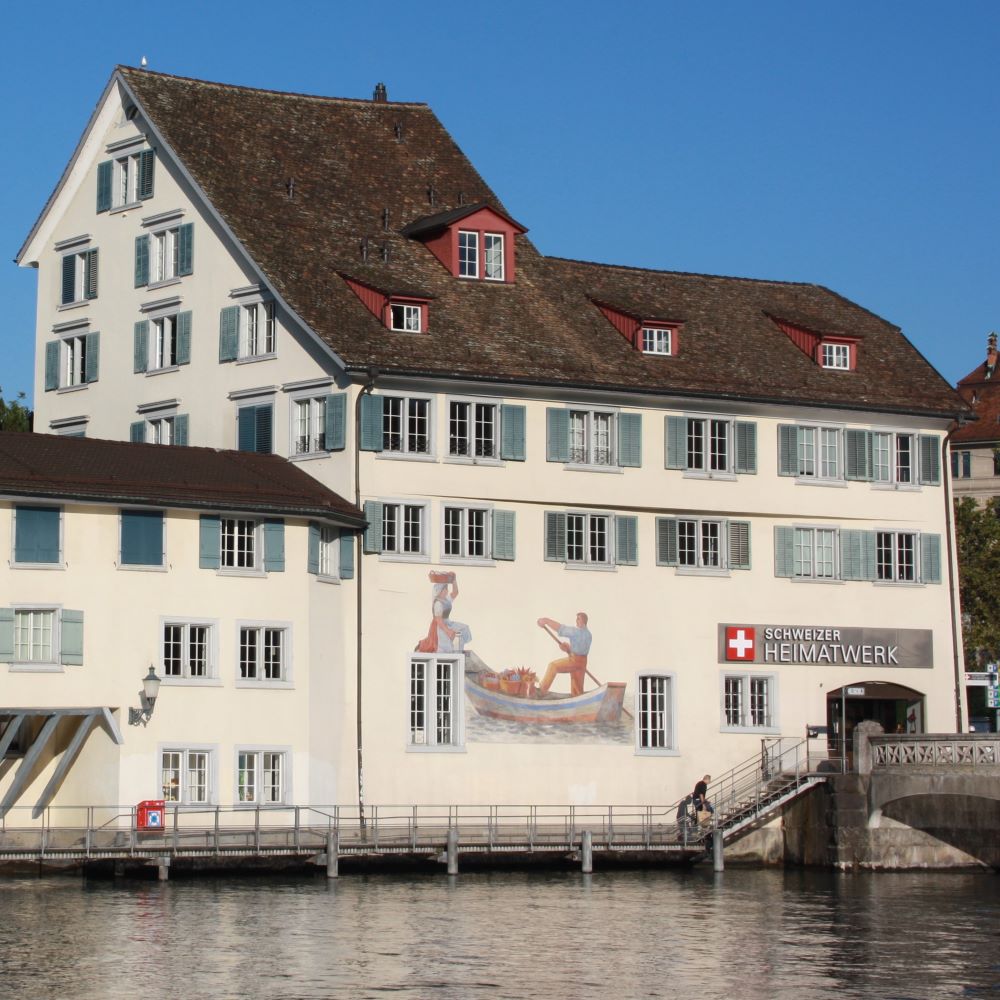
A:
741,643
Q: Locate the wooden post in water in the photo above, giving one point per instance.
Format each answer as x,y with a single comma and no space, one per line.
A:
718,864
163,868
332,853
587,852
452,851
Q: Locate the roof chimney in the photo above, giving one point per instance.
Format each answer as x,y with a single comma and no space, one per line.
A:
991,355
380,95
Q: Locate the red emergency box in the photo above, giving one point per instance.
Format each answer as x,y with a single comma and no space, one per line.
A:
150,814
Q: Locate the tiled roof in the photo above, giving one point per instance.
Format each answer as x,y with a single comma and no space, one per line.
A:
351,160
47,465
983,396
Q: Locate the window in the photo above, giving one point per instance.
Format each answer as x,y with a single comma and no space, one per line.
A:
310,425
262,654
188,650
257,330
748,701
654,709
436,698
41,636
895,555
472,429
591,435
466,532
132,179
961,464
164,342
656,340
406,425
711,446
185,776
493,257
405,317
164,256
591,539
260,776
79,277
702,544
893,458
836,356
34,635
699,543
815,553
588,538
239,543
164,428
403,528
37,535
71,361
141,538
813,452
254,428
328,557
708,445
468,254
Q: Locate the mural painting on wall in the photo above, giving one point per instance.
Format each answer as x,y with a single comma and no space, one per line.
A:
509,704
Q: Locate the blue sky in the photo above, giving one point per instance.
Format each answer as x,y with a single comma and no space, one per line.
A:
854,144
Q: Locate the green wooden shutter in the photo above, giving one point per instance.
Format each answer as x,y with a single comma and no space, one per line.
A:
184,338
92,356
314,538
336,421
137,431
141,260
788,450
512,432
373,530
676,442
858,454
229,333
504,541
69,278
6,635
144,187
181,429
346,555
371,424
930,460
36,534
630,440
52,349
739,544
246,428
71,637
141,538
857,554
210,541
264,429
930,558
555,535
868,554
556,435
274,545
104,174
784,551
666,541
626,540
746,446
90,275
185,248
140,345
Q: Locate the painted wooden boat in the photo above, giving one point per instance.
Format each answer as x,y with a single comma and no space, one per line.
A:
603,704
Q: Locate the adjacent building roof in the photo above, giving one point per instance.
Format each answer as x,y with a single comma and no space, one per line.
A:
981,390
88,469
306,182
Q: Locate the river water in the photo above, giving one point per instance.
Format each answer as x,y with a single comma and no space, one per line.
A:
742,935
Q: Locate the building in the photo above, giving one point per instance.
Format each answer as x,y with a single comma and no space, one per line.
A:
975,465
725,498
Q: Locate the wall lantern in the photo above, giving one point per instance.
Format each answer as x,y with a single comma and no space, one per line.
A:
150,689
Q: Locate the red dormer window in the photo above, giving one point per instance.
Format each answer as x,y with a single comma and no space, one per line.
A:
650,336
838,354
400,313
833,351
657,340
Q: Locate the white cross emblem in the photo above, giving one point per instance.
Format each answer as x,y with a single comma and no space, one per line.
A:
740,644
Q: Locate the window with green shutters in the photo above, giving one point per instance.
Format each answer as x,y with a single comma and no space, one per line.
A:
702,543
237,543
318,423
164,255
125,180
40,636
588,539
247,331
142,538
714,447
72,361
79,277
899,459
37,535
255,428
593,438
160,428
810,452
484,430
331,552
475,533
162,342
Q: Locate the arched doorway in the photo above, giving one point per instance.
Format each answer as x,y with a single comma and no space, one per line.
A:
896,708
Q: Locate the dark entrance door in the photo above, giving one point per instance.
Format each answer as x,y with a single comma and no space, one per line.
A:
895,708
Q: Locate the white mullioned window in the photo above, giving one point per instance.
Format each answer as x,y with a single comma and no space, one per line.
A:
239,546
815,553
436,700
166,251
466,533
186,775
79,276
700,543
472,429
257,330
818,452
406,425
262,653
74,360
708,444
405,317
591,437
160,430
261,776
164,345
894,458
896,556
34,635
329,551
837,356
588,539
493,266
748,701
657,340
653,718
126,180
403,528
187,650
468,254
309,421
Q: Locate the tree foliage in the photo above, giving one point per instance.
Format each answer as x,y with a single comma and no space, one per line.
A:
14,416
977,530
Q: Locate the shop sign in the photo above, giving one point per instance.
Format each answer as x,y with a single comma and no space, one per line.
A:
824,645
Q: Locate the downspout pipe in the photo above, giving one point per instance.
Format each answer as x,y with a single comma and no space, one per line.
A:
371,375
953,591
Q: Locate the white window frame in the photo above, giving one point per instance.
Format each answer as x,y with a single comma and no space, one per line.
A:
257,331
286,679
669,714
585,433
53,662
473,438
483,511
836,357
73,361
888,453
60,563
422,704
408,425
702,533
185,750
185,677
164,260
329,553
260,755
813,454
160,429
713,431
493,266
257,564
313,441
162,346
125,182
410,317
468,254
744,682
589,524
895,563
657,340
80,270
394,514
807,536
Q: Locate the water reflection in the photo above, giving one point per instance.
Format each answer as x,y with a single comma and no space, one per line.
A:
747,933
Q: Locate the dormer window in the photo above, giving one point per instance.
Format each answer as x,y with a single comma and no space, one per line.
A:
405,317
468,254
832,351
836,356
656,336
493,256
657,340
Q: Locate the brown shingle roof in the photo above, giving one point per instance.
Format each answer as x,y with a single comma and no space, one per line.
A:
47,465
243,146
